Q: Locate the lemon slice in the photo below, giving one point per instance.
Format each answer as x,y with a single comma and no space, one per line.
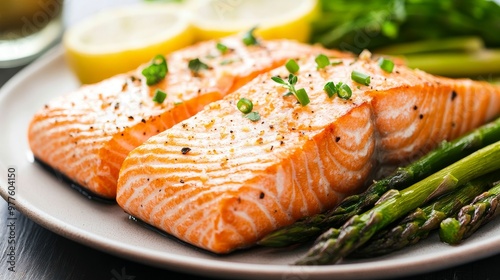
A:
274,18
120,39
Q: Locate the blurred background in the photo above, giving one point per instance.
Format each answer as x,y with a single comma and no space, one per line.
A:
458,38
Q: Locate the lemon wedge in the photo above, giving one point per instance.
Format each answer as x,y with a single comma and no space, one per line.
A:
120,39
275,19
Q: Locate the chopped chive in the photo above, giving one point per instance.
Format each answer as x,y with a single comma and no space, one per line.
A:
196,65
245,105
360,78
253,116
159,96
344,91
222,48
330,89
249,38
292,66
322,61
288,93
386,64
302,96
156,71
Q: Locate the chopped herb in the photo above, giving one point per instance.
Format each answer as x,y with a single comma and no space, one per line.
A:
222,48
386,64
249,38
322,61
292,66
159,96
245,105
360,78
185,150
330,89
253,116
344,91
292,79
227,61
156,71
337,62
302,96
196,65
279,80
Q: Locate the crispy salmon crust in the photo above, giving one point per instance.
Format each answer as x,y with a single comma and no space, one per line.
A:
86,134
221,181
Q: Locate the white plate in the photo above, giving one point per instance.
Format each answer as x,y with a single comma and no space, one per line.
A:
47,201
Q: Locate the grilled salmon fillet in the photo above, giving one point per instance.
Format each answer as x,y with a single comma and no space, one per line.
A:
86,134
221,181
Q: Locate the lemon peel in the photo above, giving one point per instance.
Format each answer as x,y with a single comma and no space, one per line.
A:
118,40
275,19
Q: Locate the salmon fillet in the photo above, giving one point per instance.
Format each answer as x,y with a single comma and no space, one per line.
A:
221,181
86,134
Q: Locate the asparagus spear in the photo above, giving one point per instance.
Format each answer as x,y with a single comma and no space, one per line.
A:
447,153
452,44
482,62
417,225
360,228
471,217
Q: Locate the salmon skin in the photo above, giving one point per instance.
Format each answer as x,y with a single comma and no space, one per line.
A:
86,135
221,181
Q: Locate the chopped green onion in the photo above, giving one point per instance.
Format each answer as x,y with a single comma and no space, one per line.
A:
302,96
322,61
279,80
292,66
245,105
159,96
196,65
288,93
222,48
360,78
330,89
344,91
157,71
386,64
249,39
253,116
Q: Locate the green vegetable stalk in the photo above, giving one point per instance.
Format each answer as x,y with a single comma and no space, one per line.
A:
355,25
334,245
419,223
471,217
447,153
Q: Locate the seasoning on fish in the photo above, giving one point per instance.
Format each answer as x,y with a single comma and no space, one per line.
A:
242,179
86,134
